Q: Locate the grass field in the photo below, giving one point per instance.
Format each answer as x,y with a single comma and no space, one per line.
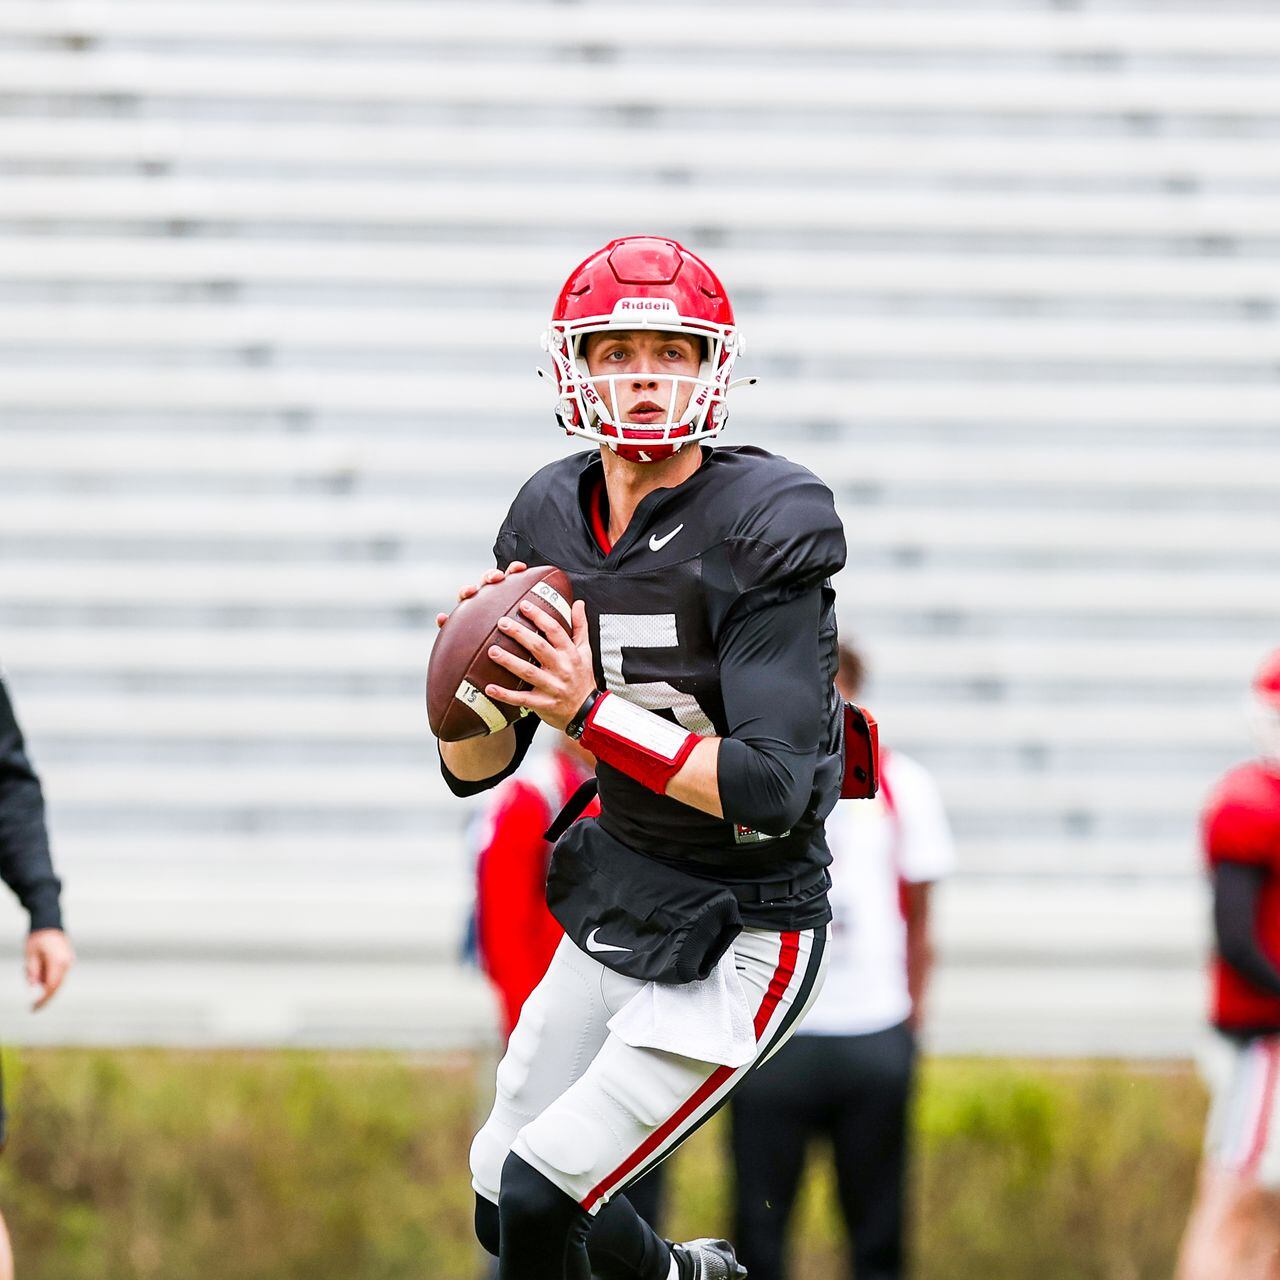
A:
144,1165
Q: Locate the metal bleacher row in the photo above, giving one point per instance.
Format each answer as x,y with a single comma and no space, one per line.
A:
271,280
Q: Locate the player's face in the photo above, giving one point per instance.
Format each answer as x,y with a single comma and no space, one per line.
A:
640,373
1264,718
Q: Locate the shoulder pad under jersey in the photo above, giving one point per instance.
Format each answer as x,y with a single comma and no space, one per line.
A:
784,535
1241,821
547,502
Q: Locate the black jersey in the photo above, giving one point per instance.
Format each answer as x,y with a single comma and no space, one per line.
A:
715,610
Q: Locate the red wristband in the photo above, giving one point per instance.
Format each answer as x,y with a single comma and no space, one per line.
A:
636,742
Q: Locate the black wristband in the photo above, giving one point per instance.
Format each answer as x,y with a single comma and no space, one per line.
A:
576,726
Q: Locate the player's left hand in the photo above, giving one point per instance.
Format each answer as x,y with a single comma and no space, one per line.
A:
494,575
49,957
565,678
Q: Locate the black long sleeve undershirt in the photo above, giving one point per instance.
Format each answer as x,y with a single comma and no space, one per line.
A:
524,729
773,700
1237,887
25,863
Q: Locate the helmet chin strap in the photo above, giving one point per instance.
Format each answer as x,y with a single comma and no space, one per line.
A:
617,446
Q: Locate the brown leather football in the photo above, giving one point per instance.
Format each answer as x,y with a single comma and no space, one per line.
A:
460,666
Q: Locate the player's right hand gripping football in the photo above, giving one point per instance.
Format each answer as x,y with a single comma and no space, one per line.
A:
494,575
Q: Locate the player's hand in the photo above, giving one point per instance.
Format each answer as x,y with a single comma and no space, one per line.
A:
49,957
563,676
494,575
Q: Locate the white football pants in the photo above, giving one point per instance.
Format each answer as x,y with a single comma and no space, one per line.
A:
1243,1134
591,1112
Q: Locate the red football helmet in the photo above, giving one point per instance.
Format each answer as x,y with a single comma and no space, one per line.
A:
1265,708
642,282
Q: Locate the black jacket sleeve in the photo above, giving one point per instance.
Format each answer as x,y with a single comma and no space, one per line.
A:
773,700
25,864
1236,889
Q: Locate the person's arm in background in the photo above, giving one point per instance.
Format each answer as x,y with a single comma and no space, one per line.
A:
925,855
1236,889
920,953
25,863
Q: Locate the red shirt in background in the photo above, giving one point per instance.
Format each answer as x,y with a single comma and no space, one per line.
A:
515,933
1241,823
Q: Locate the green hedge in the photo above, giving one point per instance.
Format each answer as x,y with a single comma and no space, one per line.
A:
144,1165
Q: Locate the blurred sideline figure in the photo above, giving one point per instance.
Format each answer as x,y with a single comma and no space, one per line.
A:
1234,1229
515,933
26,867
847,1073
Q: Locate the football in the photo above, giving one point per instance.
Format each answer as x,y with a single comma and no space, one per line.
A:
460,666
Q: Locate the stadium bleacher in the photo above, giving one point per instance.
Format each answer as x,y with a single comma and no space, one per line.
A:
271,281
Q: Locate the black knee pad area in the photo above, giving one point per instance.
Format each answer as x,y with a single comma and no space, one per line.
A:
528,1200
487,1224
544,1231
539,1221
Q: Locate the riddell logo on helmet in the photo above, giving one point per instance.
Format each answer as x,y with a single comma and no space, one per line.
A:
642,306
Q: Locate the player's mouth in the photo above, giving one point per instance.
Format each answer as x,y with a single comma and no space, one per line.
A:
646,413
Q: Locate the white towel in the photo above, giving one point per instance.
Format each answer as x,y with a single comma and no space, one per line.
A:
709,1020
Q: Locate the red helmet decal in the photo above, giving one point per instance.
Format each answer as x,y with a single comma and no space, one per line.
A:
644,260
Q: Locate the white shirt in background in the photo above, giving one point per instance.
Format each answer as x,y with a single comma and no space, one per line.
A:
901,835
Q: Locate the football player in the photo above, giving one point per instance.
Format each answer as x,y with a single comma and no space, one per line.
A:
699,673
1234,1229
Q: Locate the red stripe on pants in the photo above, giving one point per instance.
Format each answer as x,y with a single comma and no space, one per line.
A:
1266,1108
778,984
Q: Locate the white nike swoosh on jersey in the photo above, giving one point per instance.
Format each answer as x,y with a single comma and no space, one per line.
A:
656,543
593,945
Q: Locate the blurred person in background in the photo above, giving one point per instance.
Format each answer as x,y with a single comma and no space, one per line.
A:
847,1073
515,933
27,868
1234,1229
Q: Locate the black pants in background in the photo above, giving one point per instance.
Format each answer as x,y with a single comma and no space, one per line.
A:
853,1090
